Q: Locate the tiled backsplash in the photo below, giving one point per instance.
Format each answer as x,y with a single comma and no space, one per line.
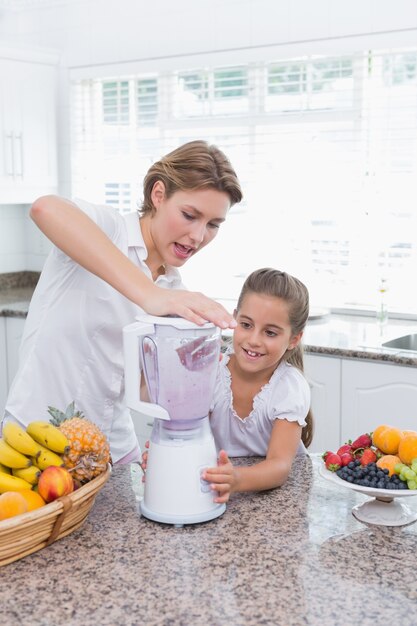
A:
22,245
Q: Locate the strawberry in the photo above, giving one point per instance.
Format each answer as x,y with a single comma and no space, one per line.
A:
333,461
368,456
346,458
378,453
345,448
364,441
325,455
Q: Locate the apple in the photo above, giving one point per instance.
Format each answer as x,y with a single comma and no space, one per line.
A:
55,482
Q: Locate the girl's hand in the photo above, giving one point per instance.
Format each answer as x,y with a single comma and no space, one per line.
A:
144,461
222,478
193,306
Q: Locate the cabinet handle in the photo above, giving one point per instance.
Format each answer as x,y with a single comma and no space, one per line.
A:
9,154
18,153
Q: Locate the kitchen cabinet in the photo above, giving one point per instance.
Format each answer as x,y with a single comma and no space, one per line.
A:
352,396
377,393
3,365
28,154
323,375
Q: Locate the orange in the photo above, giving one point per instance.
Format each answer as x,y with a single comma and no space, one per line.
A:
407,450
33,499
387,438
377,433
388,461
409,432
12,503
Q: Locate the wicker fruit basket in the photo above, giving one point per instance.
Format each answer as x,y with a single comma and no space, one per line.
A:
32,531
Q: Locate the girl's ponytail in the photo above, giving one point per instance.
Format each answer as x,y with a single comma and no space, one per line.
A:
296,358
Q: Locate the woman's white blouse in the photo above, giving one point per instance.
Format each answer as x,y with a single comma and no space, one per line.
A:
285,396
72,346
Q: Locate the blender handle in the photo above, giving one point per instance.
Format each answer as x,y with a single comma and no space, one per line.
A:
131,334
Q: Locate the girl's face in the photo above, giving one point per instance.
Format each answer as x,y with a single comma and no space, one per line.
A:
263,333
186,222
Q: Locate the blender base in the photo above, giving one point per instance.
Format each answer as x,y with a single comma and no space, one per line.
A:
181,520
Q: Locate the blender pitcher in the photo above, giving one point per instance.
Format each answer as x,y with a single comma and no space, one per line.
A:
179,361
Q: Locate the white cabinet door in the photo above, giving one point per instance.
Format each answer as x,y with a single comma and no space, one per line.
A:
28,160
377,393
14,332
3,366
323,376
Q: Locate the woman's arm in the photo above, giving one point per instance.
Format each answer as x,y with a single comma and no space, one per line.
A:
71,230
272,472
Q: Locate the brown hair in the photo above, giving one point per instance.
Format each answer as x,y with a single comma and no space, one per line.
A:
281,285
194,165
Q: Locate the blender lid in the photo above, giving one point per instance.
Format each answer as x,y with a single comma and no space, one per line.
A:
171,320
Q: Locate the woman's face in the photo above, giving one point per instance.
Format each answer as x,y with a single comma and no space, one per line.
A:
186,222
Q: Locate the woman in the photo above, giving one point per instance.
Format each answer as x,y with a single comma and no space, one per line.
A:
103,270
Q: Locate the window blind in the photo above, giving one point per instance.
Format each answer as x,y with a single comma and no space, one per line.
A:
325,148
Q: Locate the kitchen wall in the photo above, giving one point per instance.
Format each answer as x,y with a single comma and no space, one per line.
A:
22,245
108,32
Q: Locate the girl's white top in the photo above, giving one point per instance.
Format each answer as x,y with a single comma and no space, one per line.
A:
72,345
285,396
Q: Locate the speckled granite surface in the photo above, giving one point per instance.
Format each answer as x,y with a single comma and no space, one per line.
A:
16,289
343,336
289,557
359,337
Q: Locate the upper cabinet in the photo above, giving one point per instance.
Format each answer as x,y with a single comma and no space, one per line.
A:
28,148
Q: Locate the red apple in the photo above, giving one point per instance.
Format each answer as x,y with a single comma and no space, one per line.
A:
55,482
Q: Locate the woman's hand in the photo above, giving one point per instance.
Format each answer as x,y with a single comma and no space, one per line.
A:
192,305
223,478
79,237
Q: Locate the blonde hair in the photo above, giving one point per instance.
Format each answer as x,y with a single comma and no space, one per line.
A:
194,165
279,284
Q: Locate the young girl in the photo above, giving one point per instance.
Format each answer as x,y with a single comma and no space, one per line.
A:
103,270
261,402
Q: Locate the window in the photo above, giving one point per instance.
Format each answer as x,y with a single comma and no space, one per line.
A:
147,101
118,195
116,102
325,148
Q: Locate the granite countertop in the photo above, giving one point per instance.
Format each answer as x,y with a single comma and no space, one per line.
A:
16,289
354,336
347,336
288,557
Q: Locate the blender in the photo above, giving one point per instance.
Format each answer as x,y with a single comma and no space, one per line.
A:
179,362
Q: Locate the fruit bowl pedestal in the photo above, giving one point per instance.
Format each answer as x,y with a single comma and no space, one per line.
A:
384,508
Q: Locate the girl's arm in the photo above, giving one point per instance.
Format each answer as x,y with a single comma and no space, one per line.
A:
71,230
272,472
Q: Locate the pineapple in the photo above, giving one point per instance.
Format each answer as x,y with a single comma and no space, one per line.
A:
89,451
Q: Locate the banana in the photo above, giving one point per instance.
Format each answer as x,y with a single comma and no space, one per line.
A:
47,458
20,440
12,483
30,474
11,457
4,469
49,436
